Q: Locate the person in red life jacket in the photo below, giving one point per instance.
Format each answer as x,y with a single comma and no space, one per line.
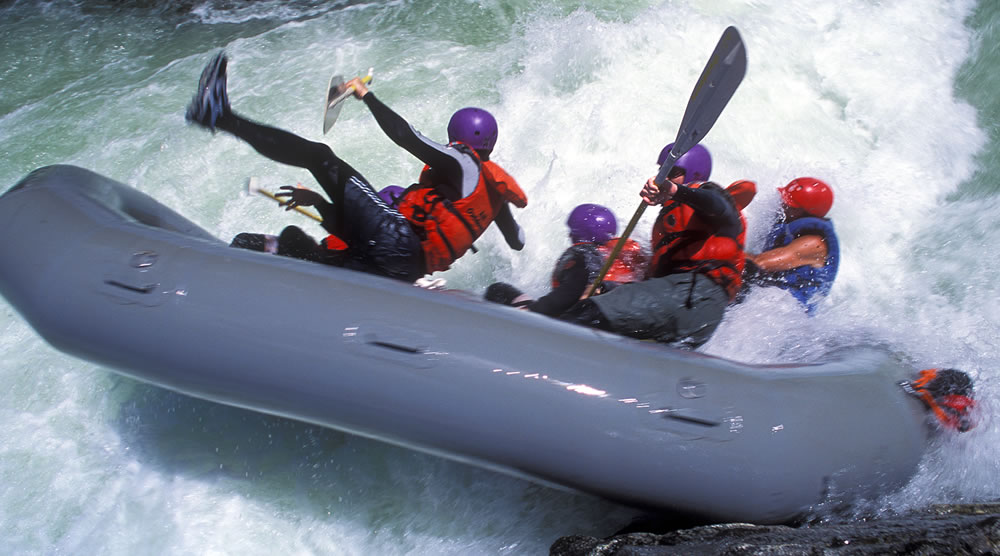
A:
949,396
801,253
591,230
459,194
697,260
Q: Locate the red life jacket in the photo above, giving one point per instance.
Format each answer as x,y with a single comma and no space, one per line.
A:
334,243
448,228
950,400
682,242
629,266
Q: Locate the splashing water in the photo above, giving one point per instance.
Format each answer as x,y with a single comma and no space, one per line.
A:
892,104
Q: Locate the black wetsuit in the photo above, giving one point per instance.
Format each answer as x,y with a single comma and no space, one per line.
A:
576,268
380,239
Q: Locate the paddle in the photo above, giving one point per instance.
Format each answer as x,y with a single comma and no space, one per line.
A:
719,80
252,187
336,93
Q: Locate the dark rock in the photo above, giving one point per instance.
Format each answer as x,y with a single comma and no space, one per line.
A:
958,529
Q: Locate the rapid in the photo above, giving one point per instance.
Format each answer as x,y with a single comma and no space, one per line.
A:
893,103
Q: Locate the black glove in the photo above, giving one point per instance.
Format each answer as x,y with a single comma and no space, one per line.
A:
502,293
299,197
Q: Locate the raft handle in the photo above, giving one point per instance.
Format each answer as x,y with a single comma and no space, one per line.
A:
396,347
137,289
687,417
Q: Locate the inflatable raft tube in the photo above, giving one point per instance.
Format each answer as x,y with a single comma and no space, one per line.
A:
107,274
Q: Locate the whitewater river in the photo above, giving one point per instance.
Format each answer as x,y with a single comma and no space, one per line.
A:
893,103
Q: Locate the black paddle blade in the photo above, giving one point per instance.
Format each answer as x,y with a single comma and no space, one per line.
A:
719,80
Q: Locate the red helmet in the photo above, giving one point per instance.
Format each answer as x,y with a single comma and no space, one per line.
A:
809,194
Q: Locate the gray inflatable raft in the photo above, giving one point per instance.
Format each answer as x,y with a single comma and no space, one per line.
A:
107,274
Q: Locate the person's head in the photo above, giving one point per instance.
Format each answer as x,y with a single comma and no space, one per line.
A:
590,223
391,194
474,127
806,196
694,165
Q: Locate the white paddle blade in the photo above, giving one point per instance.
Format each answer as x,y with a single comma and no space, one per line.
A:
331,108
253,184
336,93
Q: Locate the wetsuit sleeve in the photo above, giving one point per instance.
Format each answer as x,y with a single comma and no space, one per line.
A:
713,207
512,233
572,278
459,172
328,213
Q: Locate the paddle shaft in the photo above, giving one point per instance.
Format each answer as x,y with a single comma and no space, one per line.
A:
720,78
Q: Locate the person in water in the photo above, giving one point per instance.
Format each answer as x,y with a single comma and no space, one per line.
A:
458,195
949,396
592,230
801,252
697,262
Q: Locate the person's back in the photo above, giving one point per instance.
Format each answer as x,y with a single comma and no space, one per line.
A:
701,230
801,252
460,191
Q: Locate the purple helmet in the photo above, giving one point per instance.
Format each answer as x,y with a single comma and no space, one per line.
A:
391,194
475,127
590,223
696,163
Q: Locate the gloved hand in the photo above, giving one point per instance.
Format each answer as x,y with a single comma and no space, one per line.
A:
506,294
299,197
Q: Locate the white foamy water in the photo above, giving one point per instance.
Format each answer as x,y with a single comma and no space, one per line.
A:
860,94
